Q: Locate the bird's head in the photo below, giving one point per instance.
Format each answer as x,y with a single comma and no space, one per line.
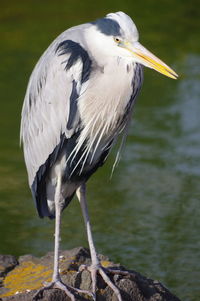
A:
117,35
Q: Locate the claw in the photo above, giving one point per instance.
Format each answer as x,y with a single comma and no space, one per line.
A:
60,285
57,284
93,269
110,284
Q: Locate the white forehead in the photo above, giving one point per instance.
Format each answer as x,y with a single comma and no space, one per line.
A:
127,26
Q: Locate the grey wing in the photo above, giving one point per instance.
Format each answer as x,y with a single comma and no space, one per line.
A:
50,109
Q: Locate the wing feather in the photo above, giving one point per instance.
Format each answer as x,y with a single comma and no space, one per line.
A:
50,99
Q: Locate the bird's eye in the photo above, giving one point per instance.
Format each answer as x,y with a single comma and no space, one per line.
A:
117,40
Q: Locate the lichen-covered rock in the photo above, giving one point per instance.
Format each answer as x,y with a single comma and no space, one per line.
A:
22,281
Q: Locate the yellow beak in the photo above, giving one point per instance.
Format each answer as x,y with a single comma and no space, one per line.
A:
148,59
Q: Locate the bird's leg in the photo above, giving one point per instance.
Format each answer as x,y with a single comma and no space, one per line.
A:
56,279
56,274
81,193
95,266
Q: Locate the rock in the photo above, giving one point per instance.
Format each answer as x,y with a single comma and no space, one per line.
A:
21,281
7,263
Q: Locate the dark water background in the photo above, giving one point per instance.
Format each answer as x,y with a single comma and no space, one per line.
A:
148,215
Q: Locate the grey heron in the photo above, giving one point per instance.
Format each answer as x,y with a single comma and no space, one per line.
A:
79,100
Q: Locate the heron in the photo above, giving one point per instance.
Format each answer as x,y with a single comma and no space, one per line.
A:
78,103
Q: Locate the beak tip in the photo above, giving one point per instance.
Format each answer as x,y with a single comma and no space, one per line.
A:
175,75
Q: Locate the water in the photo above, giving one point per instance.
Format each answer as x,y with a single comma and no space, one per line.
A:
147,215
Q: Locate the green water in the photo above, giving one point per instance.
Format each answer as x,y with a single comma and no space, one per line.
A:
148,215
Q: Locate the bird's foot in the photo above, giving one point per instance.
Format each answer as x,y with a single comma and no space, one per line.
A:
98,268
69,290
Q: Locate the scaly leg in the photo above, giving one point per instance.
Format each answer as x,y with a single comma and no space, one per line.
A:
56,279
95,266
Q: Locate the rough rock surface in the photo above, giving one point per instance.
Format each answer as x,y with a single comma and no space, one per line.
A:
20,279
